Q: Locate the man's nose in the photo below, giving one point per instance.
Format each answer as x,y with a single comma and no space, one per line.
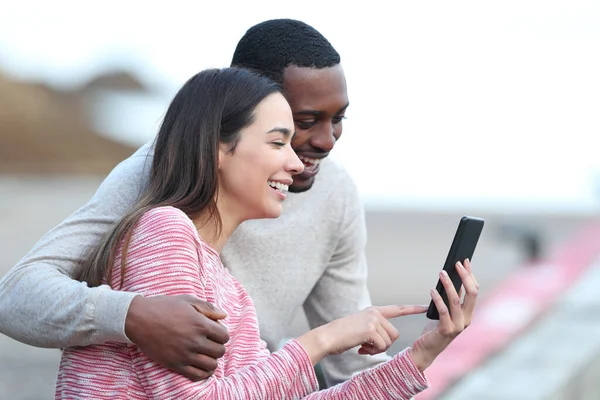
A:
324,139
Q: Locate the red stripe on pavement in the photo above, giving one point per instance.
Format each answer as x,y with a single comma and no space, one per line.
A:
512,307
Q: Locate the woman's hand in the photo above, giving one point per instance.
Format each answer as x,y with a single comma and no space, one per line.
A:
369,328
438,335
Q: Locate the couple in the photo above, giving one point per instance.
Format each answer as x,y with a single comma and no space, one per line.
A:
223,156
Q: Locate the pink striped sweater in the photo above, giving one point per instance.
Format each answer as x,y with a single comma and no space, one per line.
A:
166,256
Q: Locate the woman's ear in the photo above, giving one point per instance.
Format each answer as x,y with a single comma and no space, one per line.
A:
223,151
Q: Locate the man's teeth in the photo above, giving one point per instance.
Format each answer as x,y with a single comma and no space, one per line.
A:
278,185
313,161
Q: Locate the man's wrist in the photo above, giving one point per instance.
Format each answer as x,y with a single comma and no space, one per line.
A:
133,315
108,315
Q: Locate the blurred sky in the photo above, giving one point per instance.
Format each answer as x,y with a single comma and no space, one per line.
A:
452,103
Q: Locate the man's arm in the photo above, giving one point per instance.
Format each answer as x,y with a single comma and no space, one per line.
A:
342,289
40,304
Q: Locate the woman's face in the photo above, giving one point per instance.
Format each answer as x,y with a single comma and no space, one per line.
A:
254,178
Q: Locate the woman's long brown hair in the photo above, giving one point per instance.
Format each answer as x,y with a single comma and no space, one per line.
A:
211,108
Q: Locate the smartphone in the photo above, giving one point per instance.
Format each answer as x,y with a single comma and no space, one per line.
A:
463,246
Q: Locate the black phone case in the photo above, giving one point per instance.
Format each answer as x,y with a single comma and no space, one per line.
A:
463,246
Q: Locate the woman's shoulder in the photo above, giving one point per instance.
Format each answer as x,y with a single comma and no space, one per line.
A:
167,220
165,212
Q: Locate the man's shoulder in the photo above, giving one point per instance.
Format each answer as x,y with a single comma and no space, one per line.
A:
334,176
334,191
131,173
140,159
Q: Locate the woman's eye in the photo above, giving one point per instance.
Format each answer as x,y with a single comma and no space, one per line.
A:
279,144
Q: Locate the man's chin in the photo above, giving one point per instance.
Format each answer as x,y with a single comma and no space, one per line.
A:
300,186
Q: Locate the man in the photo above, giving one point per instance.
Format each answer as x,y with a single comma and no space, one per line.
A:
311,257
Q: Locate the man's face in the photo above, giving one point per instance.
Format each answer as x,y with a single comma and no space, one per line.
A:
318,98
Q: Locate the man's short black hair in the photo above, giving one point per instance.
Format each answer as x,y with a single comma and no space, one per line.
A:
271,46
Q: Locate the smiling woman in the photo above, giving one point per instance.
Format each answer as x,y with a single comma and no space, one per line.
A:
265,146
213,161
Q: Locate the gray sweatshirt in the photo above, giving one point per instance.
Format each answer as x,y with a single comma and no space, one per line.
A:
311,257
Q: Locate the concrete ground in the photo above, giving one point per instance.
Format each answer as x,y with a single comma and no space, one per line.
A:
405,252
557,359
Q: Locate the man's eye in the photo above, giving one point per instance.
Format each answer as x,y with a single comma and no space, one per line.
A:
338,119
305,124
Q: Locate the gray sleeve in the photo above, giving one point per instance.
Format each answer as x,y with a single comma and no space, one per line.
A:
342,290
40,304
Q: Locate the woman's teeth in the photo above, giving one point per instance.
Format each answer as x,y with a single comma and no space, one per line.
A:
279,186
312,161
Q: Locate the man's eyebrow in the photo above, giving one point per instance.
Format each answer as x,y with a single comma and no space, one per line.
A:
286,132
316,113
310,113
343,108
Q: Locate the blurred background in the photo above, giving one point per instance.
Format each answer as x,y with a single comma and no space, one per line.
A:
466,107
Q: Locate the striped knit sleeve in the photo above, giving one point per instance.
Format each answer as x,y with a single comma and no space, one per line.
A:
397,379
163,260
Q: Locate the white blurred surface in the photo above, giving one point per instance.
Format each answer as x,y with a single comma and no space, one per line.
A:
452,103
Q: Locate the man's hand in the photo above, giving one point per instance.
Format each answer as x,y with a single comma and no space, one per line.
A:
181,333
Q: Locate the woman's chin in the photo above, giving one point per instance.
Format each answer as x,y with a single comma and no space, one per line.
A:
273,211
